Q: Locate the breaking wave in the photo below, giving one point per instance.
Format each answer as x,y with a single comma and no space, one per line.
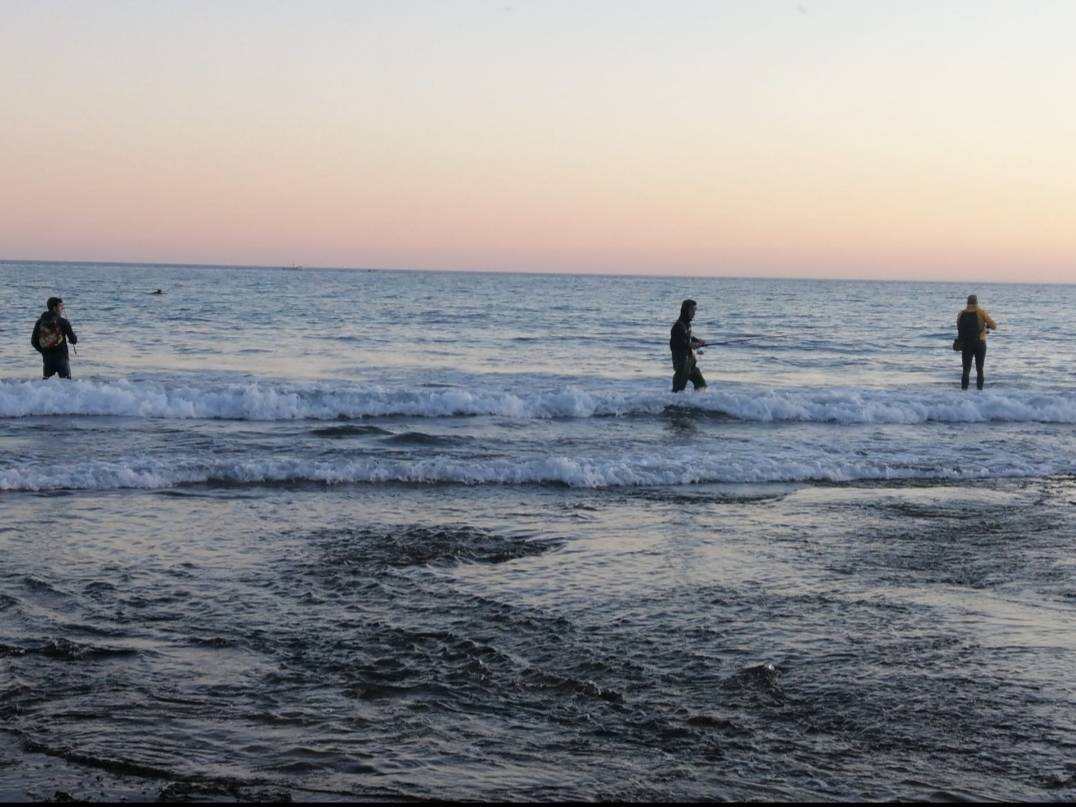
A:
630,471
275,402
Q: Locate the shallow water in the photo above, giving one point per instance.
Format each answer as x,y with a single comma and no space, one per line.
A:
229,577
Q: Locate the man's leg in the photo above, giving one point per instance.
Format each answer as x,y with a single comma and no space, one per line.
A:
965,358
56,366
680,373
980,362
696,377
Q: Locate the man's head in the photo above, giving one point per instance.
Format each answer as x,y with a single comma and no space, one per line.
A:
973,300
687,310
55,304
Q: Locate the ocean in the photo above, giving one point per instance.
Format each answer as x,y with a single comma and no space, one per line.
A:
368,535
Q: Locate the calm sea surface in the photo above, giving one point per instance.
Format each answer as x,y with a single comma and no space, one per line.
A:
358,534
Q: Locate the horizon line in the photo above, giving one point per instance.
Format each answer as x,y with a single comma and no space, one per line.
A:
305,268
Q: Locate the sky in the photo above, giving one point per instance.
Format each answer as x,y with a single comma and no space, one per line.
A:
912,139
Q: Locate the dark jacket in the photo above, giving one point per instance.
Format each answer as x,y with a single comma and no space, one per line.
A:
61,349
680,338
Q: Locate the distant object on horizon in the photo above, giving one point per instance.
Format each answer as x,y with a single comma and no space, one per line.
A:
293,268
157,292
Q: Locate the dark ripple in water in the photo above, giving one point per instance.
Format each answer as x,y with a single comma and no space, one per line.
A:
66,650
423,439
761,679
702,497
348,430
38,585
366,548
974,545
118,773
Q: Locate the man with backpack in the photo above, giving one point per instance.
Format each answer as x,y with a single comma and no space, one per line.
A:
51,334
971,325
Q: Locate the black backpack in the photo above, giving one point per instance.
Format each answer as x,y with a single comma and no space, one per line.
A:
967,327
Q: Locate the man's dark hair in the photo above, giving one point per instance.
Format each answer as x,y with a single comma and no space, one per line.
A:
973,300
53,303
685,308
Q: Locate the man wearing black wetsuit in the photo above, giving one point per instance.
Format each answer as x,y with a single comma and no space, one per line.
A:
51,334
683,344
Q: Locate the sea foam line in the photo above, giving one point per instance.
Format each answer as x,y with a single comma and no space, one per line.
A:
279,402
627,471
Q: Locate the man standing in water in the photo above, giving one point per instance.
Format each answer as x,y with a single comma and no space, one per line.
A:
971,325
51,334
683,344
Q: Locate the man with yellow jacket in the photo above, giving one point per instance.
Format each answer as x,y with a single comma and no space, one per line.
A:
972,324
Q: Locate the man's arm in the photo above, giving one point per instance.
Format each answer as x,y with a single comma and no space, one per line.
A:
989,322
35,336
69,332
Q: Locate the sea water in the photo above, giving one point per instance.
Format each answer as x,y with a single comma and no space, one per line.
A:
367,534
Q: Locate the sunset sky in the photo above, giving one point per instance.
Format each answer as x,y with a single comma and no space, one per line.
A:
824,138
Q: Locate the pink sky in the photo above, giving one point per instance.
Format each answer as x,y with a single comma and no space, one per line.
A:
834,139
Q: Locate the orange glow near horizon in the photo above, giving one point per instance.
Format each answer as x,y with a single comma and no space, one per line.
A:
853,139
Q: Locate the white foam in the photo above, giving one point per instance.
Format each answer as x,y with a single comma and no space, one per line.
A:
271,402
842,405
585,472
